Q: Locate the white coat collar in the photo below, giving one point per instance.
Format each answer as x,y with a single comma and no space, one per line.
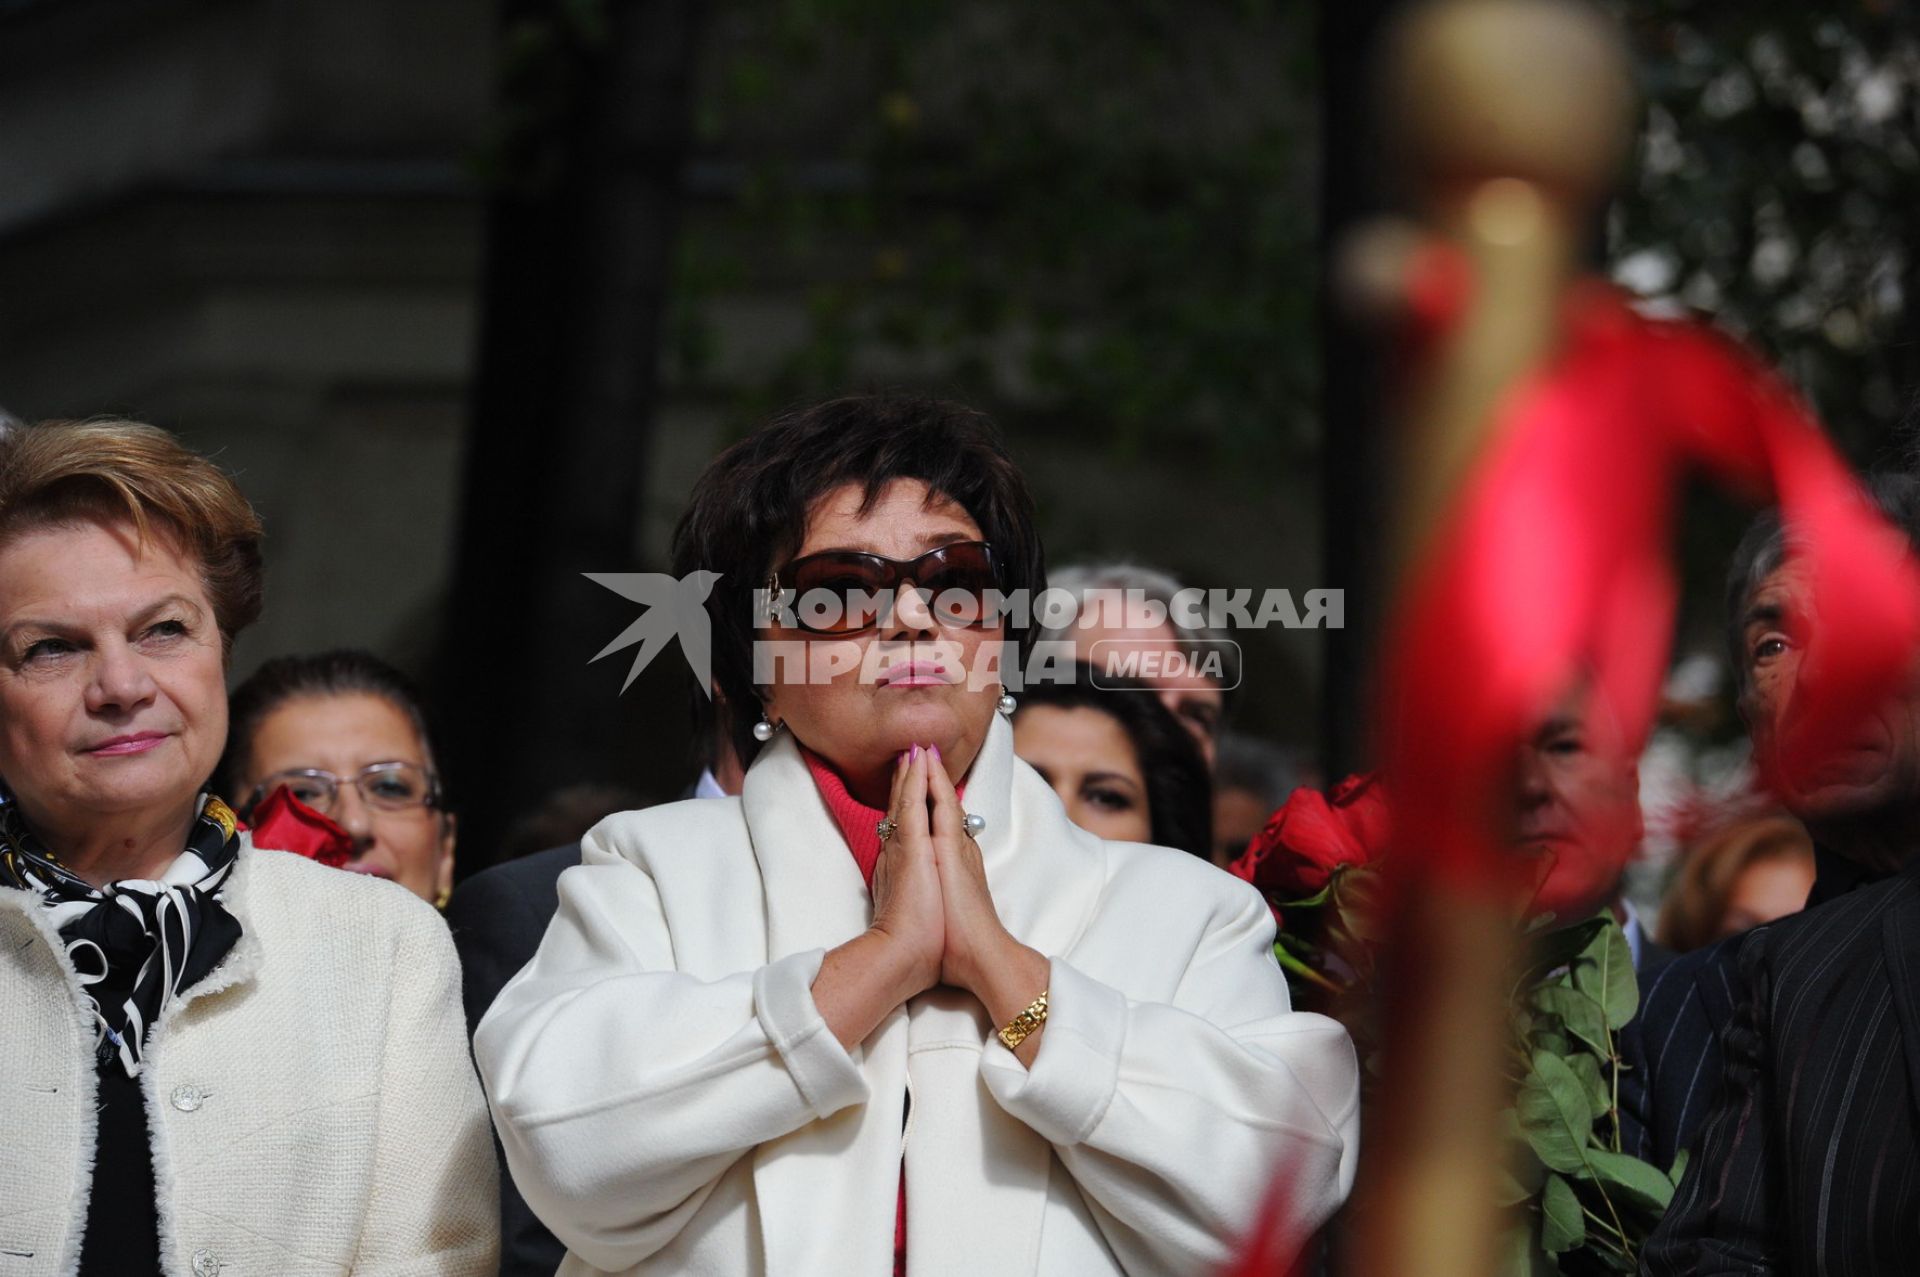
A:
816,899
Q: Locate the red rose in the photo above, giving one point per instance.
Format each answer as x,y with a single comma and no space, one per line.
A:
1315,834
284,823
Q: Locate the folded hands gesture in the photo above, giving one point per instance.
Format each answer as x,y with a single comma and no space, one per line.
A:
931,901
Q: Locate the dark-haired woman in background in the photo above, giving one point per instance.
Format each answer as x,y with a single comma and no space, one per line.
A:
347,735
1123,766
890,1010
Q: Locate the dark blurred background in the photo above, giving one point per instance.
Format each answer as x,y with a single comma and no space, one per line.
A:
468,295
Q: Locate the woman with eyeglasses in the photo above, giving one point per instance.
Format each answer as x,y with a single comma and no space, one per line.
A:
218,1058
346,735
890,1010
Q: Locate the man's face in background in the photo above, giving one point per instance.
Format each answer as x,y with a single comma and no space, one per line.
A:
1578,812
1878,766
1190,696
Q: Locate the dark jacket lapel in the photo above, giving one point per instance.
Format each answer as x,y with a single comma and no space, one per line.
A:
1900,938
1834,876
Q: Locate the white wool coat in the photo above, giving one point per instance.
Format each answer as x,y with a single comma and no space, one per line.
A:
312,1105
670,1100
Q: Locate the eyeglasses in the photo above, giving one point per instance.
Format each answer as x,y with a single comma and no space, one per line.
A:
846,591
382,786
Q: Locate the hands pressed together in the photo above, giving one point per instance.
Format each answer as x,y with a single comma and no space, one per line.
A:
933,919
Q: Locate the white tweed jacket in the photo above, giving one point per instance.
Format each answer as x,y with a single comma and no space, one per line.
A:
312,1104
671,1101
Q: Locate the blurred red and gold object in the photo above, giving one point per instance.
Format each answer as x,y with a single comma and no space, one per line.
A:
1543,431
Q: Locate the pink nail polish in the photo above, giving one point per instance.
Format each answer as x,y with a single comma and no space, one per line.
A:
935,749
916,753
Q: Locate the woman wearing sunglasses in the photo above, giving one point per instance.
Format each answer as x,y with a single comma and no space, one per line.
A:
890,1010
346,735
219,1058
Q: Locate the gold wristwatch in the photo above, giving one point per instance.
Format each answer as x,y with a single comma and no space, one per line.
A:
1026,1024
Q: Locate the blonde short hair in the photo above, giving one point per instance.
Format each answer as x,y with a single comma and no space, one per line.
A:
62,472
1696,903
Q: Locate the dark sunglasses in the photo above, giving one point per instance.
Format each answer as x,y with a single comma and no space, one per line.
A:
845,591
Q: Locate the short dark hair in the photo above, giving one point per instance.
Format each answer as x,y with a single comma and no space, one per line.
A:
750,507
340,672
1179,787
1763,548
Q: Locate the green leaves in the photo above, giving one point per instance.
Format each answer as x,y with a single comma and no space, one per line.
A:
1679,1170
1629,1177
1555,1114
1561,1226
1599,1085
1579,1013
1604,972
1578,1204
1590,1204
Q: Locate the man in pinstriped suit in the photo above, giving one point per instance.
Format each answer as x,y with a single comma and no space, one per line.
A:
1672,1048
1811,1158
1811,1163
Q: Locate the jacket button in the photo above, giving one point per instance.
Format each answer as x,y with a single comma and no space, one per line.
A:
187,1099
206,1264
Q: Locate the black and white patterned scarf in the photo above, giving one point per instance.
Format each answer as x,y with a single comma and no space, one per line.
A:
136,943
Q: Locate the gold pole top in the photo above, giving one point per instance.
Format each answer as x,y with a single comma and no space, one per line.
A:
1540,90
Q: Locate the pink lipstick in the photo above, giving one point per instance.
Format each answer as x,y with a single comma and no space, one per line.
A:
915,674
132,743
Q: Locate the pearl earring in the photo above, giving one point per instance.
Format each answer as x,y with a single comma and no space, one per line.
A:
763,730
1007,703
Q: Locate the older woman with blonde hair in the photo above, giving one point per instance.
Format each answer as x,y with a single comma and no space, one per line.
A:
1751,869
891,1010
224,1059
